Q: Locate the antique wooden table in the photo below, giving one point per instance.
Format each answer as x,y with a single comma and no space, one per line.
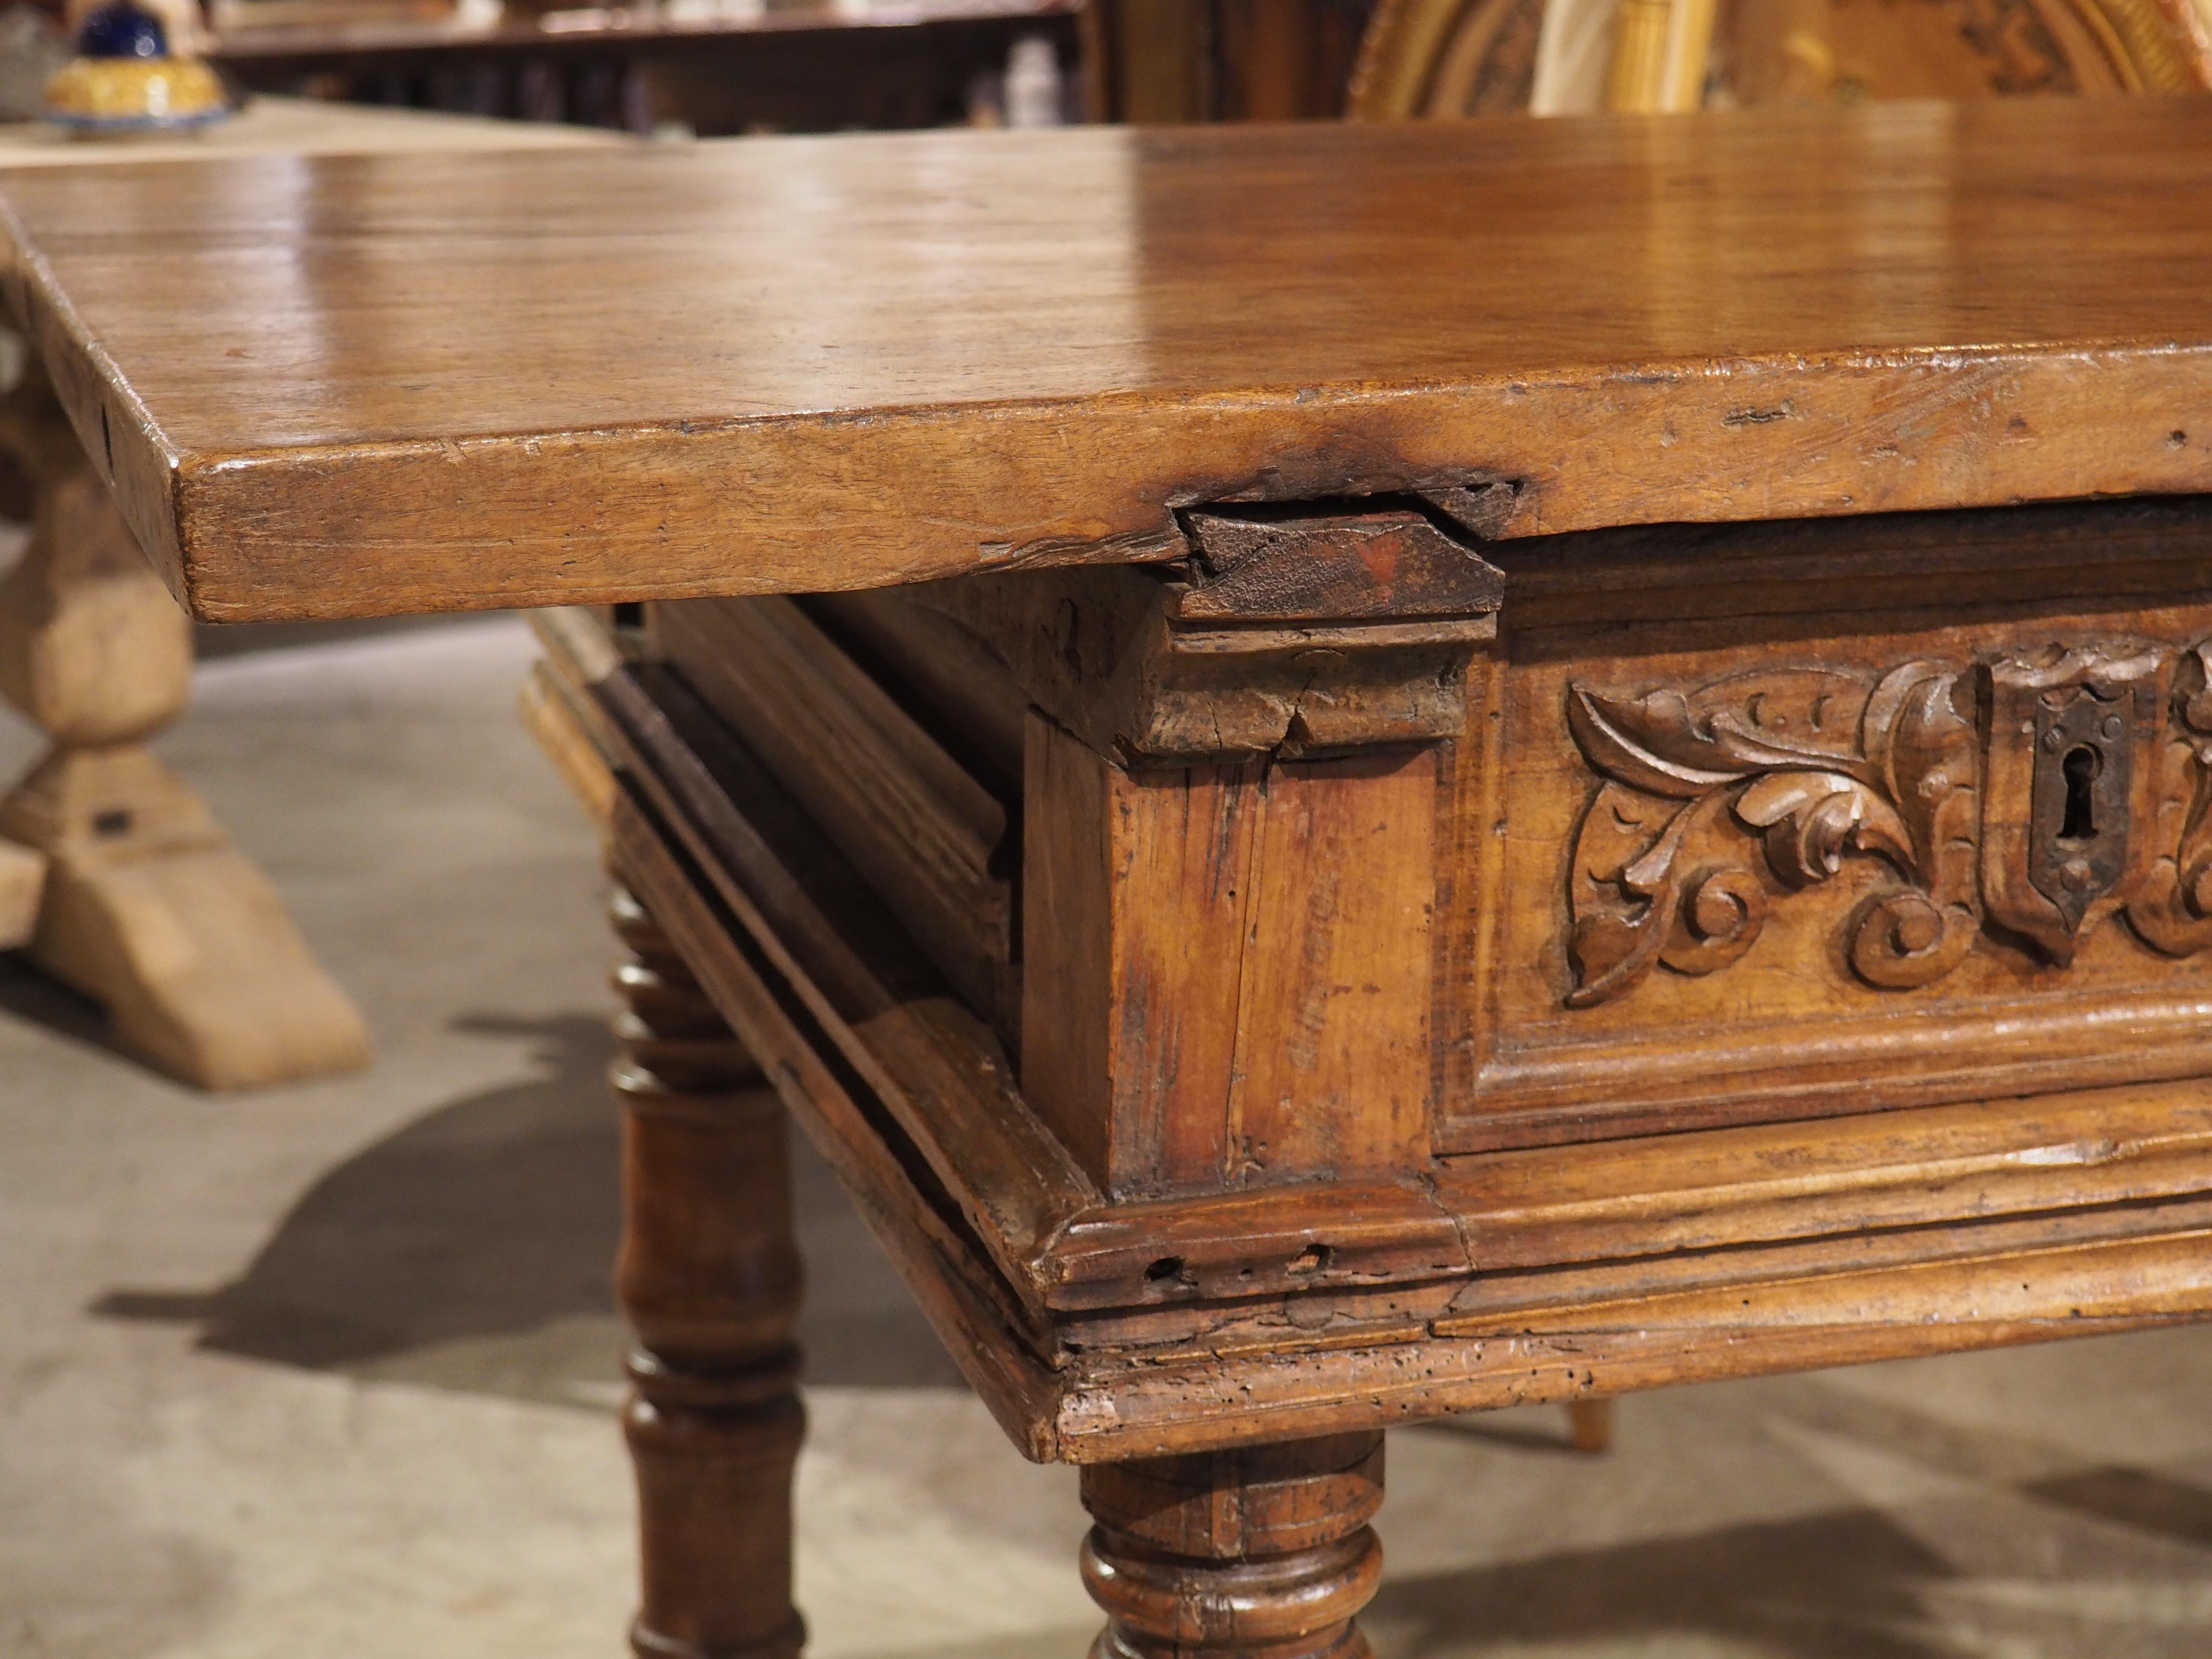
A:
1419,767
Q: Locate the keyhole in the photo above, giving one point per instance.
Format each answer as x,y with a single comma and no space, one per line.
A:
2081,766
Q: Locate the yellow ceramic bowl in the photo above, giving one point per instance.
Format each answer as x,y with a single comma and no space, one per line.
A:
118,94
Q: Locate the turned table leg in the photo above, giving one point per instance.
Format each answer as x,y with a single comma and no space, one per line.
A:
1262,1553
145,905
709,1277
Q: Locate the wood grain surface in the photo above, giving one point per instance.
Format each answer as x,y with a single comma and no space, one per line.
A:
339,387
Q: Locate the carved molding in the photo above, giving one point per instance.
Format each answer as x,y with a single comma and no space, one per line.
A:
2030,794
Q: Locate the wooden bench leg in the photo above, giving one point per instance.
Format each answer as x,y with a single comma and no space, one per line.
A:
1262,1552
708,1278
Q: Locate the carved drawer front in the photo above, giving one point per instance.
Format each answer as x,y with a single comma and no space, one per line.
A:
1788,821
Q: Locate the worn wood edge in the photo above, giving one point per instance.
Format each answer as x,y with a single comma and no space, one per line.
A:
1557,1292
563,730
1114,1410
1984,1189
1256,1245
2146,1274
1744,1186
1018,1205
126,448
2074,1130
950,679
1217,1268
830,986
916,825
1014,1382
745,505
1564,1097
783,637
1347,1317
558,709
578,640
1866,548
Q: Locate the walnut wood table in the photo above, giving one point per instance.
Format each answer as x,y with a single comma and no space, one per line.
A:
1415,769
112,872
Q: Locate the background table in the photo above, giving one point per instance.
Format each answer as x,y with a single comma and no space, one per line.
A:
821,68
115,876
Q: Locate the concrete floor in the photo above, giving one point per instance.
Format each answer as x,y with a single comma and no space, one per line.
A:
329,1370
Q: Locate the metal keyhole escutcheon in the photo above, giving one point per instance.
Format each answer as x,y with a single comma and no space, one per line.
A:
2078,831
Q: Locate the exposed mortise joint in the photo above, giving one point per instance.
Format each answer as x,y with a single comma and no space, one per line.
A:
1395,563
1288,628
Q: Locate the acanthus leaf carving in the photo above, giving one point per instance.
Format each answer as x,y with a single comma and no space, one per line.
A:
2034,793
2172,910
1818,766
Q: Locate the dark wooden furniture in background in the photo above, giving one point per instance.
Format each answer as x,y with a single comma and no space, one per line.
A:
1590,774
1143,61
789,70
1451,58
1163,61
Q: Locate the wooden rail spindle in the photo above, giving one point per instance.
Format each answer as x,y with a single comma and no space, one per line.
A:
1260,1553
708,1277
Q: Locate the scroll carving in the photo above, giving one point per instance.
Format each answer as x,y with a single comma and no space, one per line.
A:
2029,794
2172,909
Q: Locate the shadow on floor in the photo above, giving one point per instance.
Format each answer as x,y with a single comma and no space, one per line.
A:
493,1215
493,1221
32,997
2146,1501
1844,1585
1849,1583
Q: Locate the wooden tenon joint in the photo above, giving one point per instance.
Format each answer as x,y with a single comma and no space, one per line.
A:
1286,631
1234,849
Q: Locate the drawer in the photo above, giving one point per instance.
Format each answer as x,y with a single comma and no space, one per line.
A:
1770,822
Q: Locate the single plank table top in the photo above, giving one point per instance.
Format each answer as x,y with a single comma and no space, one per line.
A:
338,386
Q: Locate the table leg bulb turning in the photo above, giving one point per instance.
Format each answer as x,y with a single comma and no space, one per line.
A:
1260,1553
709,1279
